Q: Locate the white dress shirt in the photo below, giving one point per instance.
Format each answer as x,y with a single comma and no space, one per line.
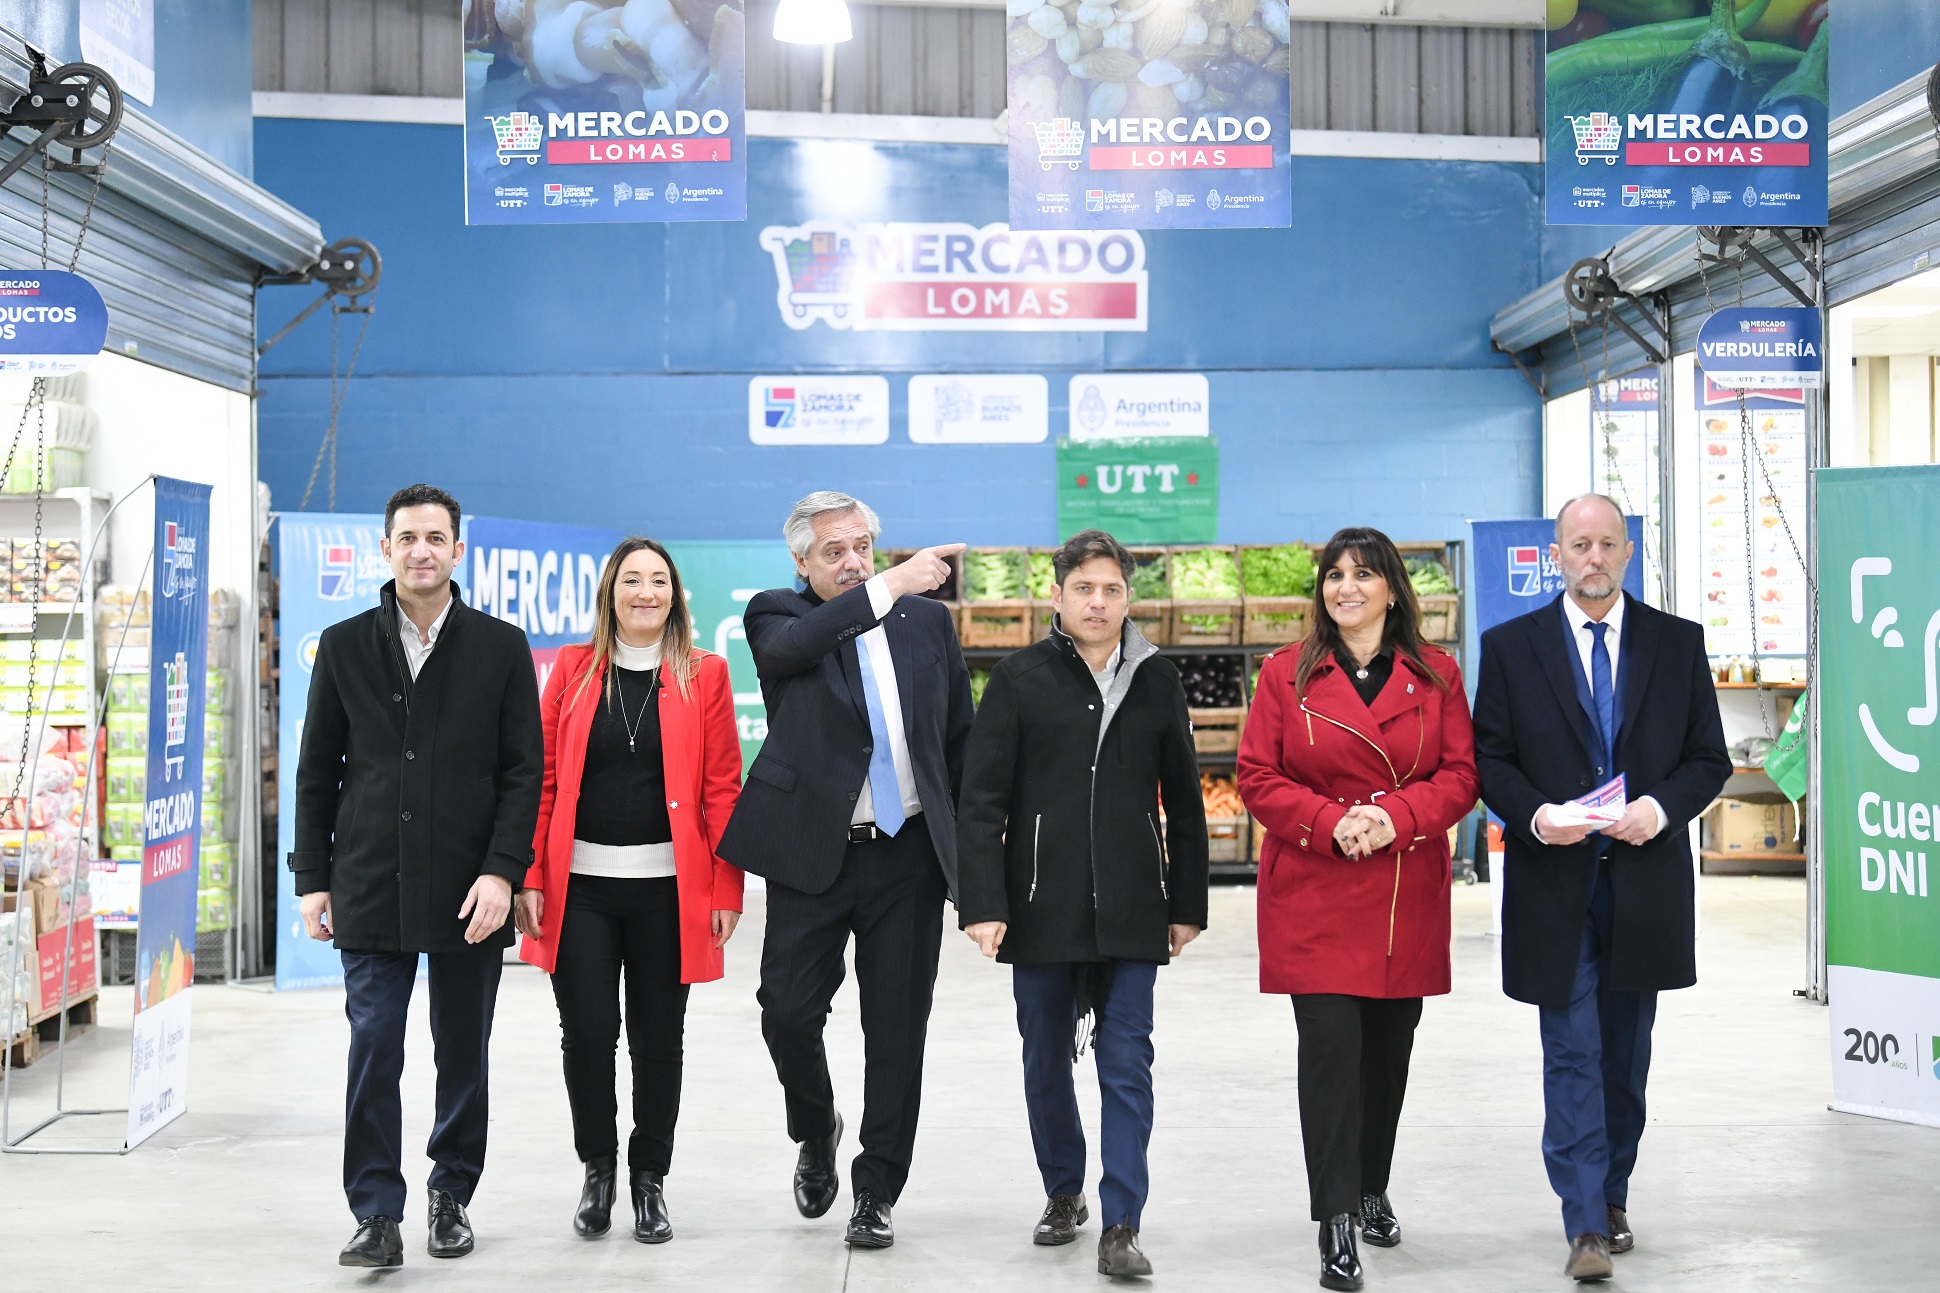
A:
417,649
876,643
1585,639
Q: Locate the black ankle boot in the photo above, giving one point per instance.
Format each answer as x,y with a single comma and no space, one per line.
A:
1340,1260
595,1215
651,1224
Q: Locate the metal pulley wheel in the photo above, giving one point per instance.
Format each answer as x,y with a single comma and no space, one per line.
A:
1588,287
349,267
74,84
1727,238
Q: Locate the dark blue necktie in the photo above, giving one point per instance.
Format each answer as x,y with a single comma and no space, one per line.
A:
1603,692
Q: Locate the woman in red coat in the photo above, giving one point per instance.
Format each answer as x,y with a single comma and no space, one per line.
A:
643,765
1357,758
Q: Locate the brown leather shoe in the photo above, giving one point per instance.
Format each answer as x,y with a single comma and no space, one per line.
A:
1589,1258
1621,1240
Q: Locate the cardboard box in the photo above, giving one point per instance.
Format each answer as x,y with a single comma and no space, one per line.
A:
1764,824
83,971
43,901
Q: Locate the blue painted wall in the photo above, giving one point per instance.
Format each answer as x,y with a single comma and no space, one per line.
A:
1876,44
598,374
203,60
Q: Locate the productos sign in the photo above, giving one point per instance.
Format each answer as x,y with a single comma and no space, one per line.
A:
956,277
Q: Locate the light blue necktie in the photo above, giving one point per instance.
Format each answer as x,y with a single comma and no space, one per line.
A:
1603,693
882,768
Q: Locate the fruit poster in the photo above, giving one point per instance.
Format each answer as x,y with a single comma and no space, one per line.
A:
1149,114
1751,519
1709,112
604,111
172,812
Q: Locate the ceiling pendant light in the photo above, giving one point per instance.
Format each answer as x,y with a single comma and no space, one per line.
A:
812,22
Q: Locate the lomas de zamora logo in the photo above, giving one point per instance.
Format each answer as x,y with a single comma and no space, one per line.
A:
957,277
178,561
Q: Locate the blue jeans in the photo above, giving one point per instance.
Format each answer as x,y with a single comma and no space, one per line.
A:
1047,1018
1596,1060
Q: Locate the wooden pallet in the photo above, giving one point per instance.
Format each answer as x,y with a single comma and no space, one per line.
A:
43,1034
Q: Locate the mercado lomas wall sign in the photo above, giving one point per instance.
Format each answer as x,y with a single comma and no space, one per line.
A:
954,277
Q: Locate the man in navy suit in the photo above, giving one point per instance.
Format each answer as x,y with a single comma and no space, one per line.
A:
849,813
1596,922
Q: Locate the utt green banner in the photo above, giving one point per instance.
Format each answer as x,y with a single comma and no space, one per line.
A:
1878,702
1142,491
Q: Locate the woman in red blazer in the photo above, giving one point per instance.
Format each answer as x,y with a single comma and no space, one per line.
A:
1357,758
643,765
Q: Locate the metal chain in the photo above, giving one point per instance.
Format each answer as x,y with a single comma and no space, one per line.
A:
339,389
1594,389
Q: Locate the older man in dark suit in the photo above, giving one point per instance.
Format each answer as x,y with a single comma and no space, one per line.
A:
849,813
1596,920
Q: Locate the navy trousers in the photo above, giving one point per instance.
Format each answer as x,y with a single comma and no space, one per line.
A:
1596,1059
1047,1018
377,999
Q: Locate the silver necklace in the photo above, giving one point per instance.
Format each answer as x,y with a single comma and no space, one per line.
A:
633,726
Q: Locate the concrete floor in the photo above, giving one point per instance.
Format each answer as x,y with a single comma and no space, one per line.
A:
1746,1180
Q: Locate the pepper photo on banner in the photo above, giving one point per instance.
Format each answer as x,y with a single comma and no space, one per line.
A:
172,814
605,111
1707,112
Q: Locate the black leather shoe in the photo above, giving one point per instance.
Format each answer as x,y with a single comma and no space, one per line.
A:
376,1243
869,1224
651,1225
1378,1226
1340,1260
1119,1255
816,1183
595,1215
1621,1240
1063,1214
1589,1258
450,1229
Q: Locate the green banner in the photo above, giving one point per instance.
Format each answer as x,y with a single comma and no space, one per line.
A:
719,578
1142,491
1879,587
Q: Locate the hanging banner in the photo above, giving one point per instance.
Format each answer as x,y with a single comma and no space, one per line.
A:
1157,116
118,36
158,1079
329,567
956,278
1753,583
1879,754
1778,348
1705,112
605,111
51,322
540,576
1515,575
1142,491
719,579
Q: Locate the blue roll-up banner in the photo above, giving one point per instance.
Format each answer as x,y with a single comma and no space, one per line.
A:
1514,574
1777,348
51,322
1707,112
602,112
539,576
330,567
158,1079
1167,115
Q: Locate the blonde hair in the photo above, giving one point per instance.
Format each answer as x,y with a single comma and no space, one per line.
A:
676,639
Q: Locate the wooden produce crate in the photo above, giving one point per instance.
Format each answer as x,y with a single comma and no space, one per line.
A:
1205,623
1227,838
1151,595
1441,617
1154,620
949,592
1217,731
1017,558
1041,613
994,624
1274,621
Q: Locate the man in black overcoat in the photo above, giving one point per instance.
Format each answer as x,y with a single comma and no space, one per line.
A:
1077,875
849,814
1596,921
417,793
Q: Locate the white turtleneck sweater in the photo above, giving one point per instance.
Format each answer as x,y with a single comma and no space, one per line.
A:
632,861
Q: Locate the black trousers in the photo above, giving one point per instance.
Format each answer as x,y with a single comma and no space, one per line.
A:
889,895
614,928
377,1000
1353,1063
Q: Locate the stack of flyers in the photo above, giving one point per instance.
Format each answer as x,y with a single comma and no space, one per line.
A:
1601,807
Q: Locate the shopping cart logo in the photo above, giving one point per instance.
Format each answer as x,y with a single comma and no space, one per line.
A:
175,730
1598,135
1060,140
778,406
336,572
518,134
178,561
817,269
